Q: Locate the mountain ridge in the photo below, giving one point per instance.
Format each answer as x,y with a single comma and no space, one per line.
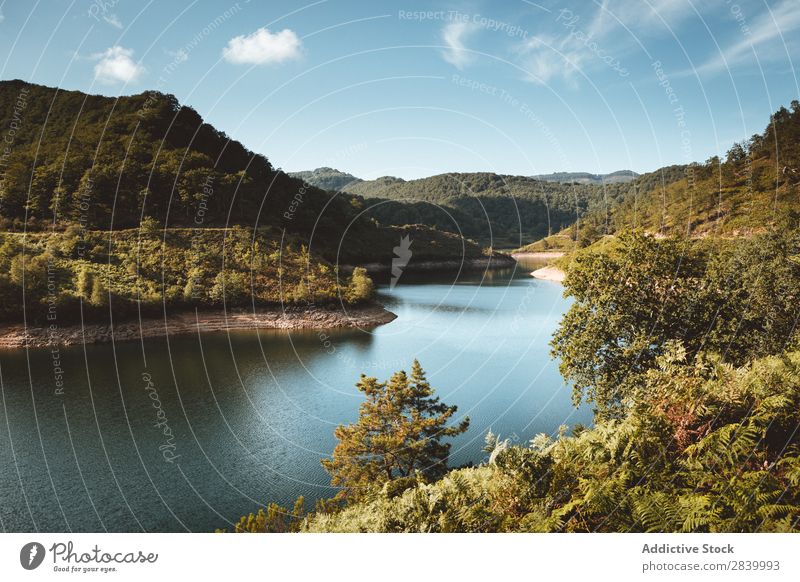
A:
329,178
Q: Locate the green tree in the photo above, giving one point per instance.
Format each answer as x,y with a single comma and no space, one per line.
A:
638,293
398,435
629,300
232,287
99,295
149,227
84,283
754,291
360,287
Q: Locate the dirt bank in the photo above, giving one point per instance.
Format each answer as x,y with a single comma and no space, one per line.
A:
543,255
549,274
17,336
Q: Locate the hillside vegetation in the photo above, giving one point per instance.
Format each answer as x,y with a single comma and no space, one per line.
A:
497,210
751,190
141,271
138,202
501,211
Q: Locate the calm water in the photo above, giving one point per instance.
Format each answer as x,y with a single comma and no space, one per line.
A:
253,413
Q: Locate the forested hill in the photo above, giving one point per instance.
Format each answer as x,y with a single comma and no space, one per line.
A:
327,178
137,203
495,209
752,189
108,163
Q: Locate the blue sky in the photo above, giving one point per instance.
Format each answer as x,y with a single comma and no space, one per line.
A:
418,88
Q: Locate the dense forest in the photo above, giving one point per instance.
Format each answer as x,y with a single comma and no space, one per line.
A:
501,211
496,210
107,163
135,202
682,332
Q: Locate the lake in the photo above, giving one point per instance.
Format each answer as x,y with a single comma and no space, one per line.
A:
252,413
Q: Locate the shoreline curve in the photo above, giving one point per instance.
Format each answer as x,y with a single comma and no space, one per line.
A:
15,336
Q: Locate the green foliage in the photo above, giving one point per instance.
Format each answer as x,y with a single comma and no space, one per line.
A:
629,299
275,519
637,293
83,283
755,188
398,436
360,287
707,448
176,268
99,294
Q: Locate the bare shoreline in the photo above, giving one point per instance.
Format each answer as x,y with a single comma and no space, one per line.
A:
549,274
539,255
15,336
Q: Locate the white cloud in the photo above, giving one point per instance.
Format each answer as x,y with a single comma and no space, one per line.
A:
116,65
113,20
545,57
263,47
453,36
595,39
651,17
766,37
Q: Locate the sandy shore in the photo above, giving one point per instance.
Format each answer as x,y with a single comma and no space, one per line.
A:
549,274
17,336
543,255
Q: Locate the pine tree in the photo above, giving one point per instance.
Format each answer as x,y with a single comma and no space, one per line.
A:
398,435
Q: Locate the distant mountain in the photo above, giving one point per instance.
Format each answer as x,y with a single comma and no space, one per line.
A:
621,176
494,209
327,178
